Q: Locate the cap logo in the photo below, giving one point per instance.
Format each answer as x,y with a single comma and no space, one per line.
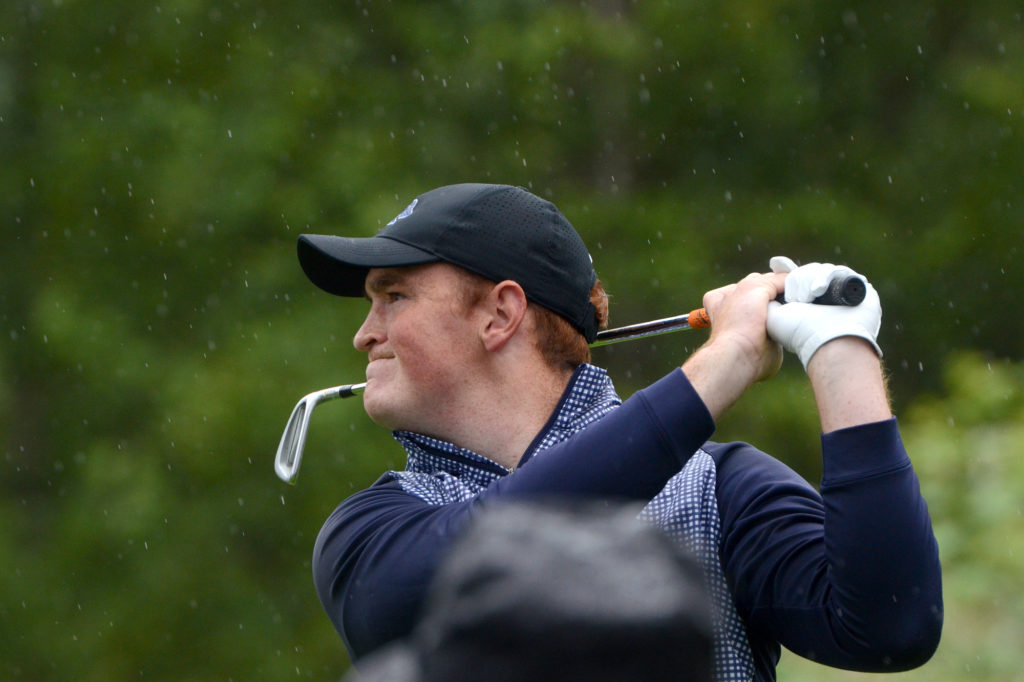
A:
406,213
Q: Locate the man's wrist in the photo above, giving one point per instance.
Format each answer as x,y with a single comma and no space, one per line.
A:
849,384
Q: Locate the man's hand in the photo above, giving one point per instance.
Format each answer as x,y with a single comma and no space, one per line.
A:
836,344
738,352
803,327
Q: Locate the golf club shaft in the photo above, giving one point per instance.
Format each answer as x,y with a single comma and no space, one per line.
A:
695,319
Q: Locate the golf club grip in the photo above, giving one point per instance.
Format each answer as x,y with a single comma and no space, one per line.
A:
849,290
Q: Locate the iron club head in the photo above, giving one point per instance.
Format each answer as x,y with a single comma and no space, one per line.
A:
293,440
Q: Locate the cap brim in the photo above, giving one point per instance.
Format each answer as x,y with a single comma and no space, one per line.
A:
338,265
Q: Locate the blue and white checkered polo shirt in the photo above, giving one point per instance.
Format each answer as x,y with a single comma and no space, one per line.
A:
440,473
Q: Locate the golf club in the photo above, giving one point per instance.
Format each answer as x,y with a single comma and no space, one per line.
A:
842,291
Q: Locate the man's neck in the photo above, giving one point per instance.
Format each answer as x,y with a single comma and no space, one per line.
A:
500,418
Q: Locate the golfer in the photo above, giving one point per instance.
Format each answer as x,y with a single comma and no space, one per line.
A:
482,301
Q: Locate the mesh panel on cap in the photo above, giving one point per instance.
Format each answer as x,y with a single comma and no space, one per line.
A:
510,208
516,208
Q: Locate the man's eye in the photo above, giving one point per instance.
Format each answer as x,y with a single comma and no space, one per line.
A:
394,296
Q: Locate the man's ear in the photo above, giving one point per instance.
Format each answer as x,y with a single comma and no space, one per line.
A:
505,306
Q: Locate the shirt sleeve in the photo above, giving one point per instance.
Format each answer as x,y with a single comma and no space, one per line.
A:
377,552
849,577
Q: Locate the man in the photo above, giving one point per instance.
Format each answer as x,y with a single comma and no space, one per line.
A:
482,301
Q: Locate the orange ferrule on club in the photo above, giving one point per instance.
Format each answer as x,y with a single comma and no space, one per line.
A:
699,319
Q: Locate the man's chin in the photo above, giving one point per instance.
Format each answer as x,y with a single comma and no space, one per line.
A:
379,414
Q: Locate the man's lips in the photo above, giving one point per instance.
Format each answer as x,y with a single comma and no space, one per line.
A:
373,367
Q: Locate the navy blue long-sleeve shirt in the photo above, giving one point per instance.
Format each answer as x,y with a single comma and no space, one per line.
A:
849,577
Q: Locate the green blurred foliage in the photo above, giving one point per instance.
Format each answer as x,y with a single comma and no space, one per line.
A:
162,157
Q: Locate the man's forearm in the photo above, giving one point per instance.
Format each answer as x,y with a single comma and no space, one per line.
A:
713,373
849,385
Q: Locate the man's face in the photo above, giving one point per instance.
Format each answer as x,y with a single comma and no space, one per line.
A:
420,339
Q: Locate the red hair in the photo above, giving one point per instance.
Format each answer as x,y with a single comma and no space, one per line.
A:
559,342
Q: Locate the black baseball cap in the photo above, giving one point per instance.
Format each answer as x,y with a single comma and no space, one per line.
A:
497,231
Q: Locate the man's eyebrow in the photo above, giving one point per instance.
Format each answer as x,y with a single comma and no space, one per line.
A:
378,282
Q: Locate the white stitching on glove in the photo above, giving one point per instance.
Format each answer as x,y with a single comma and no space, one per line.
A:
802,327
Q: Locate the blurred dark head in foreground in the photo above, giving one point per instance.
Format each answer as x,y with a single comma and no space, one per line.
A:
546,592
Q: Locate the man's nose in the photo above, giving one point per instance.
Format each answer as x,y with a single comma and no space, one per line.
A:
369,332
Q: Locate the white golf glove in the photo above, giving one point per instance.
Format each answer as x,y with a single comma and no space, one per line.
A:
803,327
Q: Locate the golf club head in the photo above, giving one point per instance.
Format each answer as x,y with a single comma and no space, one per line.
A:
293,440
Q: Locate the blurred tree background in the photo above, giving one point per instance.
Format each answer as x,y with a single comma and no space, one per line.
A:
162,157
